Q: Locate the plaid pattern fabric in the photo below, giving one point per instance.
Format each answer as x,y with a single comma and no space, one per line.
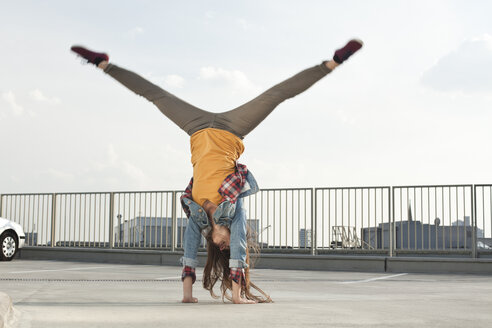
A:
233,183
187,195
238,274
230,188
188,272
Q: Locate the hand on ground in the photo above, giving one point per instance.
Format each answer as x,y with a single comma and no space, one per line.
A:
243,300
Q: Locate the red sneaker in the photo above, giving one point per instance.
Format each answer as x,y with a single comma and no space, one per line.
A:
350,48
91,56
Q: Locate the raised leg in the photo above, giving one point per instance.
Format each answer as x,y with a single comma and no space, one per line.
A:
188,117
243,119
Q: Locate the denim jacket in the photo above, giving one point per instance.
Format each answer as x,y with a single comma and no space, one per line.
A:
231,215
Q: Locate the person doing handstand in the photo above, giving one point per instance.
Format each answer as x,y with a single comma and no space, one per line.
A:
213,199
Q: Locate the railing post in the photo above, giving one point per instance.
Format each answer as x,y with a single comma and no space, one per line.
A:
173,223
392,220
474,221
314,220
1,198
111,219
53,219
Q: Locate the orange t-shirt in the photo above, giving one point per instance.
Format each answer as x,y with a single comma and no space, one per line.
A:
214,153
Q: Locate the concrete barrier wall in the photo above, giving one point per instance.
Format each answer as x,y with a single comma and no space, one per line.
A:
439,265
361,263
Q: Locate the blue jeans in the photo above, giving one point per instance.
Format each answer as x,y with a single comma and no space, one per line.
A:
192,238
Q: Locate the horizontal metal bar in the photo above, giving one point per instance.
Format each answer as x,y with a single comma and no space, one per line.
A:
283,189
431,186
91,193
263,189
352,188
150,191
27,194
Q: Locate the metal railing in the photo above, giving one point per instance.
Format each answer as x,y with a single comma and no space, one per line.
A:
438,218
145,219
353,218
34,212
81,220
281,218
433,217
482,217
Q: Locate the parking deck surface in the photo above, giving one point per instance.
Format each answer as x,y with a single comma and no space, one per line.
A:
74,294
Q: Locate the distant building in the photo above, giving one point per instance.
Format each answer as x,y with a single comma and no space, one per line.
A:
149,232
416,235
157,232
466,222
31,238
305,238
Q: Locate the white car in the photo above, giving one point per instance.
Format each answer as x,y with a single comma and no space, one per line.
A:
12,238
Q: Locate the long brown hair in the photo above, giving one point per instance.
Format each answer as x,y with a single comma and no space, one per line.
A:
217,269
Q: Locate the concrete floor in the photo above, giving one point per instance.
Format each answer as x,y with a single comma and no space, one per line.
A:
72,294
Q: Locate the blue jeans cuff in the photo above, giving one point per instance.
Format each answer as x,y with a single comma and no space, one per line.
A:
186,261
237,264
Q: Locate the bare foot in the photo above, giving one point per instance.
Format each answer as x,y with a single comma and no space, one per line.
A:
189,300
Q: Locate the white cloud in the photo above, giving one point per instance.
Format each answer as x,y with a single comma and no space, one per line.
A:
174,80
344,117
136,31
9,97
111,172
210,14
245,25
114,168
61,175
39,96
234,78
467,69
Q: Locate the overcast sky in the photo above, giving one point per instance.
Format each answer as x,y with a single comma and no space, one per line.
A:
414,106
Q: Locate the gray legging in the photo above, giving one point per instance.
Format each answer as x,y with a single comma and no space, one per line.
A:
240,121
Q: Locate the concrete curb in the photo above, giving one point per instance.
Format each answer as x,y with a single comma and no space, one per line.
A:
440,265
359,263
7,314
321,262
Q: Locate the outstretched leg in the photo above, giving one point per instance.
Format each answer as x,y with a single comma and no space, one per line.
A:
188,117
245,118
